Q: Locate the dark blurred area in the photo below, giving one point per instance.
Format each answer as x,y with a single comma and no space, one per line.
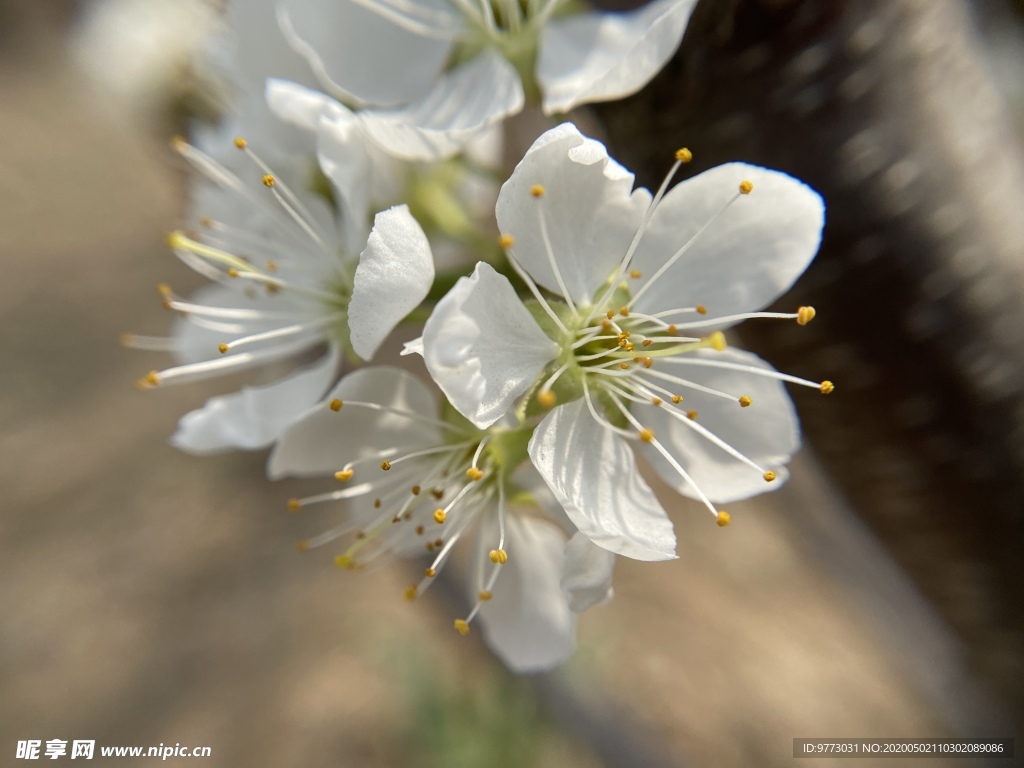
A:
901,113
155,597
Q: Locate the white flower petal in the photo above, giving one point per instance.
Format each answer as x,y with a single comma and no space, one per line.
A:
463,104
363,54
296,104
587,577
482,346
589,207
395,273
414,347
767,432
747,258
255,416
605,56
593,473
528,623
322,441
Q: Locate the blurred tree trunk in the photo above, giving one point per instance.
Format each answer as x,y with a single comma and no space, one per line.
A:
884,107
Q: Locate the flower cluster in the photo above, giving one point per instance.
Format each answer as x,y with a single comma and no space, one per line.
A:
349,192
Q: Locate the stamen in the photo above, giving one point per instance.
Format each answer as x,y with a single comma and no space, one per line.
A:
148,343
681,158
723,519
277,333
668,457
678,254
825,387
804,315
238,362
690,420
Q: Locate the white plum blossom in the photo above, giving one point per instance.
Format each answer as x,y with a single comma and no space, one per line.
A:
287,287
418,482
395,57
631,351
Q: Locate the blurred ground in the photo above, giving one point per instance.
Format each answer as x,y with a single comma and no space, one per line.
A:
152,597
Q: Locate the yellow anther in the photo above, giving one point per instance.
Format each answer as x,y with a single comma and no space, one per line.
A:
671,330
430,546
410,592
302,545
419,530
376,503
827,387
648,362
635,274
804,315
462,626
546,398
537,190
271,289
498,556
624,311
179,141
153,379
647,342
430,572
646,435
240,142
655,401
717,340
611,313
294,505
232,272
677,399
437,493
606,325
683,155
343,561
483,597
691,415
629,346
440,516
272,267
223,348
269,180
474,473
723,519
746,187
624,365
385,465
769,476
506,241
701,309
343,475
335,405
745,401
164,290
415,490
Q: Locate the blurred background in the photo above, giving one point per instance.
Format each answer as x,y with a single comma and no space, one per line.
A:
152,597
